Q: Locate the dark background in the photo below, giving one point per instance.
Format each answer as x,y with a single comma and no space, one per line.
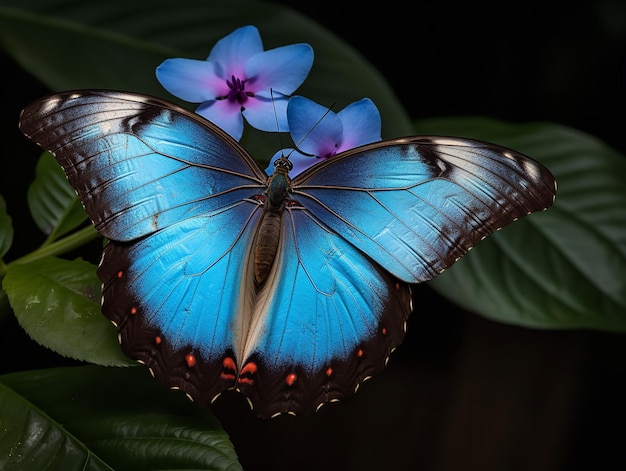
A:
461,392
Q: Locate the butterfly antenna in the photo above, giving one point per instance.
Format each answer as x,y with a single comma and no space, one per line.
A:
297,144
278,130
275,113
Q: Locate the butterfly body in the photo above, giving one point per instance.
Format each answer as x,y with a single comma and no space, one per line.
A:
268,235
293,291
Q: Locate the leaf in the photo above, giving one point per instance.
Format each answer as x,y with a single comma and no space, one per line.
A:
565,268
118,44
6,229
6,240
96,418
57,303
5,307
53,203
30,440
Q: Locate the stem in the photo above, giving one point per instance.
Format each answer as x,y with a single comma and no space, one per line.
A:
61,246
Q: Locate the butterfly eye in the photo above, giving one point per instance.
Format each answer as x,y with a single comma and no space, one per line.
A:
283,162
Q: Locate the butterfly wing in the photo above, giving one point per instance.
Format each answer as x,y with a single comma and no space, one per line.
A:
173,195
175,296
416,205
328,319
138,163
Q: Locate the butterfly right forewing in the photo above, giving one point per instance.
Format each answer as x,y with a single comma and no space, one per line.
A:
416,205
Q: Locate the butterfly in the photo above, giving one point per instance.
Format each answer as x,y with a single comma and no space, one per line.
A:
291,291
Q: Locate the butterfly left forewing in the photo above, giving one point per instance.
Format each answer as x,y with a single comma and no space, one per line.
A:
139,163
416,205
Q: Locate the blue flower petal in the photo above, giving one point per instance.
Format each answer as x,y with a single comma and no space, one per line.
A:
361,124
233,51
282,69
220,114
302,162
191,80
269,115
314,128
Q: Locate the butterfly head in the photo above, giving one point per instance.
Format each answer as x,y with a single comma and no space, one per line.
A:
283,165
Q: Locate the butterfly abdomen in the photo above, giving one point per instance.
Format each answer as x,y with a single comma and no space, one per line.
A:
266,245
268,235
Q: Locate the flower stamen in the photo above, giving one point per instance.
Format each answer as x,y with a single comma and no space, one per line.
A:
237,91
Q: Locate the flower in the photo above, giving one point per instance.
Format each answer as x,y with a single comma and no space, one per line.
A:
320,133
240,80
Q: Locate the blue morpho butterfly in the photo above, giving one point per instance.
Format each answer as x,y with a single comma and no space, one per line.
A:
291,291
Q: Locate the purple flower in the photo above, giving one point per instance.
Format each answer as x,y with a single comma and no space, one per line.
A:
320,133
240,80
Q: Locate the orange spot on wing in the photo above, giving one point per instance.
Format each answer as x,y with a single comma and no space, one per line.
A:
249,368
229,368
247,373
291,379
191,360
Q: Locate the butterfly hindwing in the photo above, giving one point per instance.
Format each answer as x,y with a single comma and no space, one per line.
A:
330,318
176,296
416,205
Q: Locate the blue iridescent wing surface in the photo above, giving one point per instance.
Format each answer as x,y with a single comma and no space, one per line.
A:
138,163
172,193
416,205
357,229
181,203
329,319
177,298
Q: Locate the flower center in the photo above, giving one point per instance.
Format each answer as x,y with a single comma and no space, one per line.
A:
331,152
237,91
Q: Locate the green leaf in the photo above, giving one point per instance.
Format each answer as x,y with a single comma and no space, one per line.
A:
95,418
57,303
6,229
5,307
118,44
6,240
566,267
53,203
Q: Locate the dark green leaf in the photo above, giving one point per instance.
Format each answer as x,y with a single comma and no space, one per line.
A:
31,440
6,229
5,307
565,268
57,302
6,240
95,418
118,44
53,203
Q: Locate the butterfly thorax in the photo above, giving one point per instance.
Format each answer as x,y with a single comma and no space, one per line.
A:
268,235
